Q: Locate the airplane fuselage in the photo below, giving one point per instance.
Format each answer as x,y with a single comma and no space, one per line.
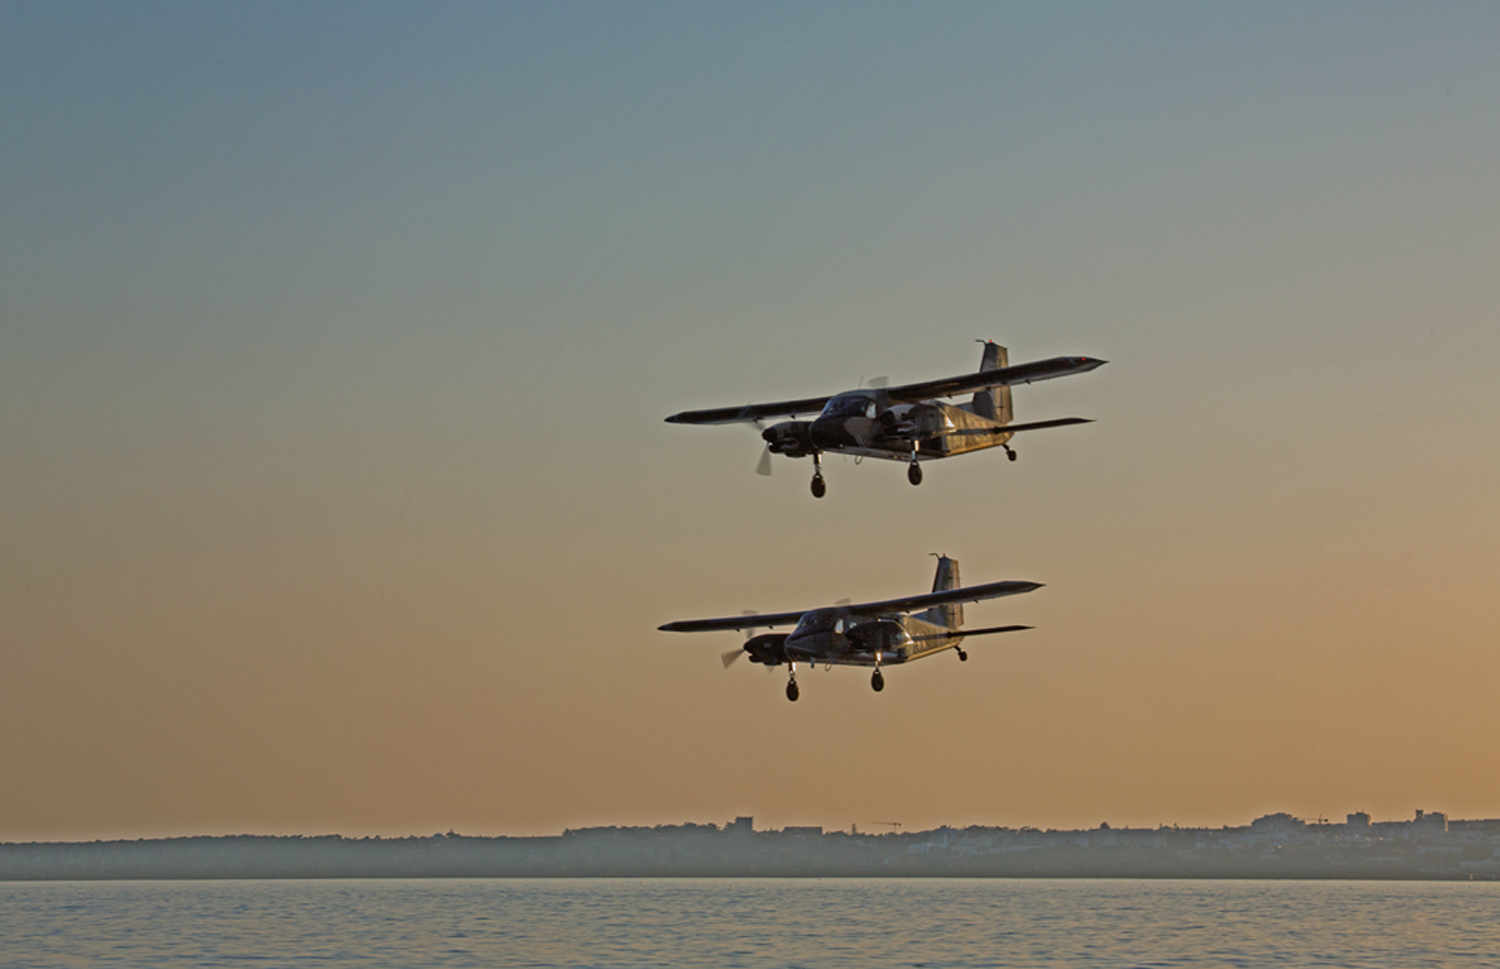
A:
832,637
865,424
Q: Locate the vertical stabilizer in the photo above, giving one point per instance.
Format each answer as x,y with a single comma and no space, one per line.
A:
993,403
952,614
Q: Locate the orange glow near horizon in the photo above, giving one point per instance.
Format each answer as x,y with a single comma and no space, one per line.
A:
337,496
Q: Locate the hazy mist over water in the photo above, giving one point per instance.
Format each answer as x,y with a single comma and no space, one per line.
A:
759,922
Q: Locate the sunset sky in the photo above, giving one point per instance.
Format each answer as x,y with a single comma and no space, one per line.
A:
335,342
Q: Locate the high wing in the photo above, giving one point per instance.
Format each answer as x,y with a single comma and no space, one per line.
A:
1021,373
734,622
751,412
974,593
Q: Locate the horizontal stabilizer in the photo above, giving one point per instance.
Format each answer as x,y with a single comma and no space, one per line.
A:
1041,425
991,630
1031,426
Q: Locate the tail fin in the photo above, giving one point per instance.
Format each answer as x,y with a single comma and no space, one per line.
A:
993,403
951,614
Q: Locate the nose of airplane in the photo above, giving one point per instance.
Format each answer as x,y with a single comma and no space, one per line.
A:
829,432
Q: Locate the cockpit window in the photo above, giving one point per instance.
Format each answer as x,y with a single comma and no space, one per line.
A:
813,621
850,405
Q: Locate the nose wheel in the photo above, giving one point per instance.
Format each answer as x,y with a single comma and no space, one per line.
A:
914,473
963,657
791,690
877,681
1009,454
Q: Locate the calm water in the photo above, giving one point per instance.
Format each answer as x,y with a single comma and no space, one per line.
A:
759,922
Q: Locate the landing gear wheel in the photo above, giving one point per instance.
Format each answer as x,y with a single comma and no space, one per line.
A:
791,690
819,489
1009,454
914,473
963,657
877,681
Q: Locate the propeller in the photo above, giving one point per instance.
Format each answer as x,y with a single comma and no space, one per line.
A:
763,468
734,654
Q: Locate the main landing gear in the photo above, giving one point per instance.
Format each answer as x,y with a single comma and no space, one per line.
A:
963,657
791,685
819,489
877,681
1008,452
914,473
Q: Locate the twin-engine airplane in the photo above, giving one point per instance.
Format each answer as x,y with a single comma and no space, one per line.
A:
868,634
906,423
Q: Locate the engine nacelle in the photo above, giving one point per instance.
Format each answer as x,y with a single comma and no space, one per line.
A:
768,649
792,438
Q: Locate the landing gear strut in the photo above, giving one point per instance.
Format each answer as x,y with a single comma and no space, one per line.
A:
914,473
877,681
819,489
791,685
963,657
1008,452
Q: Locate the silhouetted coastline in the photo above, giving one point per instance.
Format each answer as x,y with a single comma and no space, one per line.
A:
1274,846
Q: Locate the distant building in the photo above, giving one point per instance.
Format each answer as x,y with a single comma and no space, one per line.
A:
1475,829
1428,824
1358,821
741,825
1279,825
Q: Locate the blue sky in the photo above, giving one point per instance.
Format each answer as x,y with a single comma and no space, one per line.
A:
335,342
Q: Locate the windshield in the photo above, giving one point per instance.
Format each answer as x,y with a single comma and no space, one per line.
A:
849,405
814,621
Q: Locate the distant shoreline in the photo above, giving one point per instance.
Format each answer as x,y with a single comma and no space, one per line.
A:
1429,848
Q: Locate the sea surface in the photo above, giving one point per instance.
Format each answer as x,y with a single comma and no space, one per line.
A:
749,922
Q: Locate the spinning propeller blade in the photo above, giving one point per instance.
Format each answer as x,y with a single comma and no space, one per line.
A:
734,654
764,467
